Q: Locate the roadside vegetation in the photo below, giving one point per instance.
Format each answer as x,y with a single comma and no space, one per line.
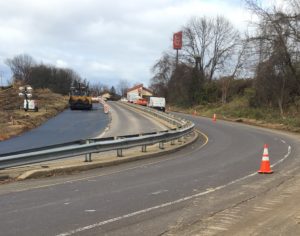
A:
250,76
14,120
51,86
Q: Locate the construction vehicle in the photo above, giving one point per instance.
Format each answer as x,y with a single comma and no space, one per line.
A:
80,98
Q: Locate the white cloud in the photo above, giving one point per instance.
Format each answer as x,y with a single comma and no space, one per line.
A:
96,66
101,39
61,63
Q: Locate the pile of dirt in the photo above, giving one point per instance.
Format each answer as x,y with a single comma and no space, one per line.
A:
14,120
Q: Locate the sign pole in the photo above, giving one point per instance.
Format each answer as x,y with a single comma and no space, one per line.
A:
177,44
176,57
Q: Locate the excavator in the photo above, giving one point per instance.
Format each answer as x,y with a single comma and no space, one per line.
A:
80,98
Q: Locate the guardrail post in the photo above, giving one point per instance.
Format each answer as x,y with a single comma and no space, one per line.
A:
144,148
88,156
161,145
173,142
179,139
119,152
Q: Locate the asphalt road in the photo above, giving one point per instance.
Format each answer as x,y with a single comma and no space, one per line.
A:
127,122
65,127
146,197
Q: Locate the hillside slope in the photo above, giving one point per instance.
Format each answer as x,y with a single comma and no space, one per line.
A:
14,120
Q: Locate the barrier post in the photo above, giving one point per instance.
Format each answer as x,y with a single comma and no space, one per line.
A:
119,152
86,155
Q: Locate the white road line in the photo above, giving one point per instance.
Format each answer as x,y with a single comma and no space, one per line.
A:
285,157
92,210
101,223
159,192
282,141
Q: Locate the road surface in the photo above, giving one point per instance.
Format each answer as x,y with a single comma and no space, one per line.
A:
65,127
150,197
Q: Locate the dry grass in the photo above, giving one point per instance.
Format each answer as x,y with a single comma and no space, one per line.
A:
239,111
14,121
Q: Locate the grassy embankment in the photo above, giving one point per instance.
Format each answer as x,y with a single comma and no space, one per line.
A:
14,121
239,110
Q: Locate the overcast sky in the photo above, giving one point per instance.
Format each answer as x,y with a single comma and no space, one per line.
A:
102,40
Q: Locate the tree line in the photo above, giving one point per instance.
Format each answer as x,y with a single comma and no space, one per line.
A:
25,70
217,63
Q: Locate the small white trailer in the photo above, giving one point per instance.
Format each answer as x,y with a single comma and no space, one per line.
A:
158,103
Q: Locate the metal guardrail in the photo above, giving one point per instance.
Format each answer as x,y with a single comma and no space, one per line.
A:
89,146
174,120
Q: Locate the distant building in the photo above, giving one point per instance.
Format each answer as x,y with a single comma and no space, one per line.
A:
106,96
138,91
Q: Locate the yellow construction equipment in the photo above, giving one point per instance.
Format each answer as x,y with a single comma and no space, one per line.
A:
80,98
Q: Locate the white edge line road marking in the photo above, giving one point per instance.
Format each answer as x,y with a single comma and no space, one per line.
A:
159,192
91,210
81,229
285,157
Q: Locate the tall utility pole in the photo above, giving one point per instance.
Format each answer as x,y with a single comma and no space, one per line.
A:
198,60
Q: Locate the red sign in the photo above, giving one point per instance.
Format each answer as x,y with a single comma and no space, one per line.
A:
177,40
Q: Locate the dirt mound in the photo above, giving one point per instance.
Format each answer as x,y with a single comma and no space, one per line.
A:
14,120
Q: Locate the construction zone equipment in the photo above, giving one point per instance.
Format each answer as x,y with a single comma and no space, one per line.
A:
265,163
80,98
106,108
214,117
30,105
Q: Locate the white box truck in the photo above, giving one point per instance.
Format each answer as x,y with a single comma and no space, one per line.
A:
158,103
132,97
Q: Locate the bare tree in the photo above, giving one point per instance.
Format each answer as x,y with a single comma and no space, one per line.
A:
277,41
123,86
162,71
21,66
238,62
98,88
213,41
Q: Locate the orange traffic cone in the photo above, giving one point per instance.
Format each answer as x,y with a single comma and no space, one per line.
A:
214,117
265,163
